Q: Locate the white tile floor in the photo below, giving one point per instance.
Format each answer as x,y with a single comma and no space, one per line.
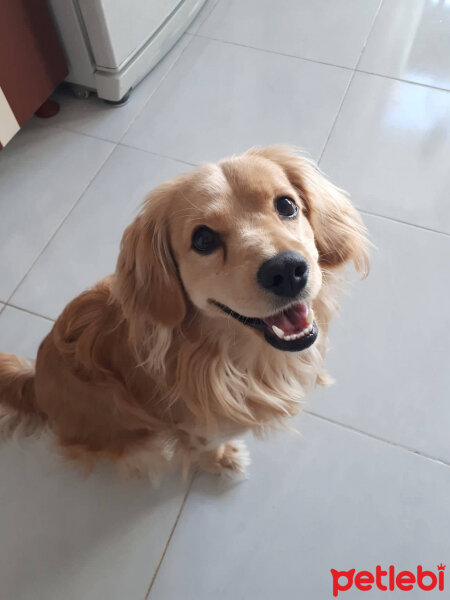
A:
368,481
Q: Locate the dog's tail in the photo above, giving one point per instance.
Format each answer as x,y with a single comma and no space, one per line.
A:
19,413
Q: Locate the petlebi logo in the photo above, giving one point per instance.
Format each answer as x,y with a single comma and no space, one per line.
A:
388,579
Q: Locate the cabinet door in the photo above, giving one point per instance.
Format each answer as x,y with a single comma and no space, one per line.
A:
32,63
118,28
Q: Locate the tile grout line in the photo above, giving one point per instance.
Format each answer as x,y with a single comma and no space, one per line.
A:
369,33
180,160
166,546
138,114
395,220
137,148
333,126
257,49
400,80
408,449
89,135
64,219
30,312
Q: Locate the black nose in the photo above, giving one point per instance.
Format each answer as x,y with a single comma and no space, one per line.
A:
285,274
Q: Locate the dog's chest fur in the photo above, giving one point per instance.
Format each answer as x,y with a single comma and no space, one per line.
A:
241,382
224,383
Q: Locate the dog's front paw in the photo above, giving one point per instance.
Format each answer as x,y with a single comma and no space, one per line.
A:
229,460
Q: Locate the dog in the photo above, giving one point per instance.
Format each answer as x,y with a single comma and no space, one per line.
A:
214,322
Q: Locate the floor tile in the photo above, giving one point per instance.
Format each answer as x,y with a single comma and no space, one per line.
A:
391,344
202,15
220,99
43,171
390,149
94,117
21,333
332,32
410,40
329,498
86,247
68,536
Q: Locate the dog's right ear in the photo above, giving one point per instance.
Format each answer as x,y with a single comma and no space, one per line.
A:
339,232
146,281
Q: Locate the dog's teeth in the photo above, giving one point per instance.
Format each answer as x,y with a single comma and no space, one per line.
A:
294,336
310,316
278,332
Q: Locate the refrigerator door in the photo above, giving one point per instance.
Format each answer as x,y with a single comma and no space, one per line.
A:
119,28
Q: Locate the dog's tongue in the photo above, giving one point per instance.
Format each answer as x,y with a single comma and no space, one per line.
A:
292,320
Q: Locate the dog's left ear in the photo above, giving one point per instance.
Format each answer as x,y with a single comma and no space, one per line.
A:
146,282
339,232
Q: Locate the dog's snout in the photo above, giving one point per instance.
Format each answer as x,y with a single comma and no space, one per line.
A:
285,274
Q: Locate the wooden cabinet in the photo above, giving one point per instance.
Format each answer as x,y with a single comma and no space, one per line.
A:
32,62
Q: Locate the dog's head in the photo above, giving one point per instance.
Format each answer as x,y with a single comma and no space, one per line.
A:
247,239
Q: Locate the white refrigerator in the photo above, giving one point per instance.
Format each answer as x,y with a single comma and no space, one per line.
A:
111,45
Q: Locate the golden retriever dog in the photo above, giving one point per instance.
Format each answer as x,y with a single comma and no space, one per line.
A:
214,322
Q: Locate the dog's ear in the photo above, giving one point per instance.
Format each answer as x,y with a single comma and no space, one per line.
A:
146,282
338,229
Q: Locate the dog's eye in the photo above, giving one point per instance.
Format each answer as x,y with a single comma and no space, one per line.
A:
205,240
286,207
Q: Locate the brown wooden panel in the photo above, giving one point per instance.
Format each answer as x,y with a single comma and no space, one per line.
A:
32,62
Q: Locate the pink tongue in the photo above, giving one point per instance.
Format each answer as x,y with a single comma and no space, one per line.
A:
291,320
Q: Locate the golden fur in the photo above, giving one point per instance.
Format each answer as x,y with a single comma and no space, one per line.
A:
143,369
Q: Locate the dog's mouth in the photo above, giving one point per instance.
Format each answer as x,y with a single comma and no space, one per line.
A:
292,329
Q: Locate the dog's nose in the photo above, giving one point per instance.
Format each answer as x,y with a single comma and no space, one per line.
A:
285,274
